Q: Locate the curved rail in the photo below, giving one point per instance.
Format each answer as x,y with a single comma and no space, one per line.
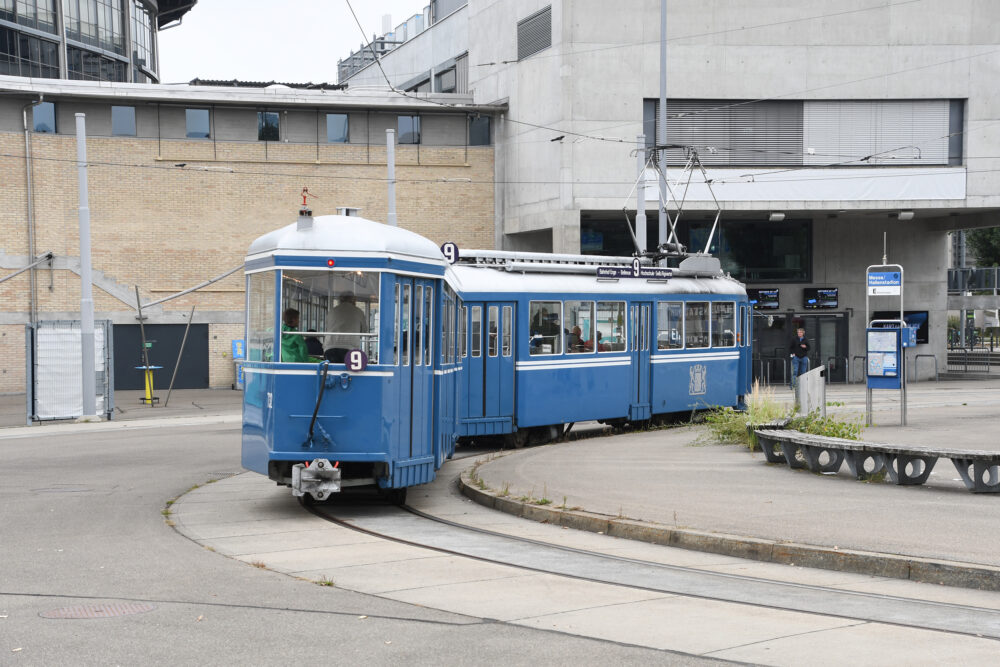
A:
407,525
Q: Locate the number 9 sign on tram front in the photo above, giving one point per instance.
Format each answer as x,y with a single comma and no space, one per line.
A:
636,268
450,252
356,361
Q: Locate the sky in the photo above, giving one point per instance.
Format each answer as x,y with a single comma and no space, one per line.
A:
261,40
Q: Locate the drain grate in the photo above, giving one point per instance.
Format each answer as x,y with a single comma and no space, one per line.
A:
99,610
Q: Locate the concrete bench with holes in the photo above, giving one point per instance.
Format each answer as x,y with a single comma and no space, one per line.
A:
905,465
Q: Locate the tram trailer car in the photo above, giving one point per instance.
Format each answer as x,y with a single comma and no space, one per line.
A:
413,351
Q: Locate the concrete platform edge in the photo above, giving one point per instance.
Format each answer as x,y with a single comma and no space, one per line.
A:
947,573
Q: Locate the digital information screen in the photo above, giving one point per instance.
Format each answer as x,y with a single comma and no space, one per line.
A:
821,297
765,298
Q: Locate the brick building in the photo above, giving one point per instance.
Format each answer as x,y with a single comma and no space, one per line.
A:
183,178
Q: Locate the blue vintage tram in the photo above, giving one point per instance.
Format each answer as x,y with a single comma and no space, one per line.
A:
419,352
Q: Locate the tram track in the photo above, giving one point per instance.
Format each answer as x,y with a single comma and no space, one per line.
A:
414,527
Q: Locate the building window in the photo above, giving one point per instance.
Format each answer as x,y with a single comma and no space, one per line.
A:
81,64
336,128
534,33
25,55
37,14
142,38
197,121
409,129
98,23
44,117
445,81
267,126
479,131
757,251
123,121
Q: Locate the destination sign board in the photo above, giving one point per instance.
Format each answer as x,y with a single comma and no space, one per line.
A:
635,271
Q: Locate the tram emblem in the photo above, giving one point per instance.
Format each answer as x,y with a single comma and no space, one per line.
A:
699,383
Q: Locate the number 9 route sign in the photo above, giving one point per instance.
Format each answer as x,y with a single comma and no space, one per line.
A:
356,361
450,252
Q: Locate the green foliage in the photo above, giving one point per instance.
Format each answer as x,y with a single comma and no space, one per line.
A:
985,245
727,425
730,426
829,426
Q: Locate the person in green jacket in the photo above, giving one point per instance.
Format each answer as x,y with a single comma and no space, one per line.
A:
293,348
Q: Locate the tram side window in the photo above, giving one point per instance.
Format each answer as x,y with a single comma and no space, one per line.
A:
418,325
463,341
723,324
610,326
508,325
429,323
404,326
580,324
477,333
696,324
395,329
492,346
260,316
546,327
669,325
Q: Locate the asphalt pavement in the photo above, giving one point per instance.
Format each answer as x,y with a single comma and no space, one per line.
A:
88,504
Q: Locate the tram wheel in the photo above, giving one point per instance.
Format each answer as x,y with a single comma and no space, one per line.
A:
394,496
516,440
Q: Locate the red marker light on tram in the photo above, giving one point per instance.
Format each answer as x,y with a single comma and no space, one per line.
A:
330,262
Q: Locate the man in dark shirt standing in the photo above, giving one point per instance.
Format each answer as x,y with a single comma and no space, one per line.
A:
800,355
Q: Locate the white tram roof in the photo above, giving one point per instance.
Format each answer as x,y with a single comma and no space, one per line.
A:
479,279
347,235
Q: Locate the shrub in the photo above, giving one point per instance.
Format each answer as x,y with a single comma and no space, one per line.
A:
730,426
726,425
829,426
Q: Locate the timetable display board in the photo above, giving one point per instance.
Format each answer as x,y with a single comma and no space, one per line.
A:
883,357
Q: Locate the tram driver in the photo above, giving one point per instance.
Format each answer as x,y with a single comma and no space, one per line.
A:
344,319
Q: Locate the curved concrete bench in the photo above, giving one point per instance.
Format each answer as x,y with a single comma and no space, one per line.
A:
979,470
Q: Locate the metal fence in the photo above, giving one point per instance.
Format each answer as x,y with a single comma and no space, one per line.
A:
970,361
965,280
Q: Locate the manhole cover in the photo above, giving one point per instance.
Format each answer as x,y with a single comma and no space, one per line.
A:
99,610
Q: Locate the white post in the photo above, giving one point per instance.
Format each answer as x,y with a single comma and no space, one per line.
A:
86,291
390,160
640,196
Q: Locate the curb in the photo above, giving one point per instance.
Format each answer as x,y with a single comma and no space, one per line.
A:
924,570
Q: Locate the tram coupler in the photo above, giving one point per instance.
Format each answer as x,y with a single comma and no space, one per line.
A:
319,479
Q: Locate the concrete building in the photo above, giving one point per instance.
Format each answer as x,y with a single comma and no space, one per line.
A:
823,130
183,178
97,40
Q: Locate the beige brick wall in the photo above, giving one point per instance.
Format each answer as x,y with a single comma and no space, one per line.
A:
166,228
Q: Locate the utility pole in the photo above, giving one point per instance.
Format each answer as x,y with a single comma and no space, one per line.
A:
640,196
86,289
661,126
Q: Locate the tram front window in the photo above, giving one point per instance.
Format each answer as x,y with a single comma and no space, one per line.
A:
338,308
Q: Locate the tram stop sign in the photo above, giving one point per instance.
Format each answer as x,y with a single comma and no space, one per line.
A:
884,283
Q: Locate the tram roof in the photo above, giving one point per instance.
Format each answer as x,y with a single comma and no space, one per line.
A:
477,279
343,234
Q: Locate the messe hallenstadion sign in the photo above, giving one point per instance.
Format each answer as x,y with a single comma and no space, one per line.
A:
884,283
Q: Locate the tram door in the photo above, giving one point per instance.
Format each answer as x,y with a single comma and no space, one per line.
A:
416,364
743,342
490,370
639,323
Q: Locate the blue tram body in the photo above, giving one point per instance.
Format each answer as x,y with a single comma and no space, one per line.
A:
498,344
